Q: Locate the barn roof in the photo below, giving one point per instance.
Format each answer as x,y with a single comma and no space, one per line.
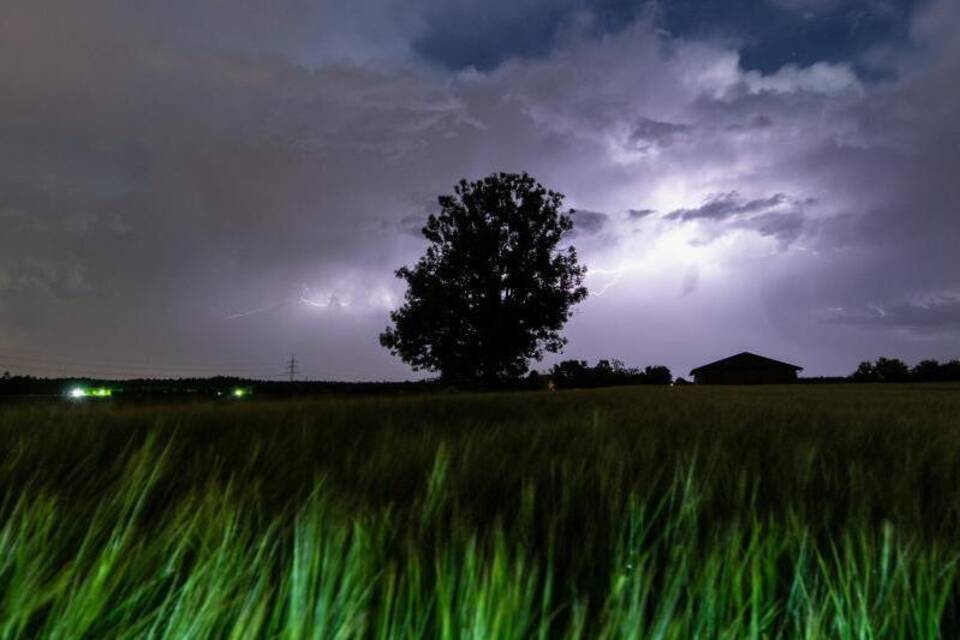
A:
746,360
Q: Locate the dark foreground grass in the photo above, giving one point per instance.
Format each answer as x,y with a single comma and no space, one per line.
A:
803,512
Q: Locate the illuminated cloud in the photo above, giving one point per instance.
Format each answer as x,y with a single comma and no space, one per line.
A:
170,187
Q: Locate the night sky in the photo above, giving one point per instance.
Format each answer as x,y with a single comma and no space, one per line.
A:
203,187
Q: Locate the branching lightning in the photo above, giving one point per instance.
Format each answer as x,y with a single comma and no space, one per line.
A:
244,314
333,302
613,281
617,276
304,298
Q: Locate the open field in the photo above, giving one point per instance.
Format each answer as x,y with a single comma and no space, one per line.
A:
767,512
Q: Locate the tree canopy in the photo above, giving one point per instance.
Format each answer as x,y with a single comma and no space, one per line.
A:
494,288
571,374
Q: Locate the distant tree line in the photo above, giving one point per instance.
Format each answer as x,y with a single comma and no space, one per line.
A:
571,374
185,388
568,374
896,370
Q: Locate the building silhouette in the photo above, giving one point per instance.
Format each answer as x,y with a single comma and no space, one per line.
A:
746,368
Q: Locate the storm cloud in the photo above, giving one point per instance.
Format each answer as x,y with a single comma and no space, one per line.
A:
177,192
587,222
726,205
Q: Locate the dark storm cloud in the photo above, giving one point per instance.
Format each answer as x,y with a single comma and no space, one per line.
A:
721,206
588,222
869,9
171,188
759,121
528,29
770,33
639,214
936,314
785,227
777,216
159,189
648,133
895,206
412,225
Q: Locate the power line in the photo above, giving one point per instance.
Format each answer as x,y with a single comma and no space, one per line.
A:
52,366
42,358
55,370
129,375
132,371
292,368
20,363
72,365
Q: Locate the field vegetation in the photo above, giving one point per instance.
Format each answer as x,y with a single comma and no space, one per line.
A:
646,512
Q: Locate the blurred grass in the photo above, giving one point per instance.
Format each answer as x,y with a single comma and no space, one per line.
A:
766,512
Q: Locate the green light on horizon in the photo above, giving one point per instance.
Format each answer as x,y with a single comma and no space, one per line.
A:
78,393
239,393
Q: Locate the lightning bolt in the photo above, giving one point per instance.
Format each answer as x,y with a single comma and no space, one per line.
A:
332,300
617,276
304,298
607,286
244,314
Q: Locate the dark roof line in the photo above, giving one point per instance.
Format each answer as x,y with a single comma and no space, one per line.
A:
755,357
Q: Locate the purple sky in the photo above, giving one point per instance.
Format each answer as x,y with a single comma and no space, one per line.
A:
200,190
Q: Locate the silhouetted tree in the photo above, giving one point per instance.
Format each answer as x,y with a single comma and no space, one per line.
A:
891,370
577,374
865,373
883,370
571,373
933,371
927,371
493,289
950,370
657,374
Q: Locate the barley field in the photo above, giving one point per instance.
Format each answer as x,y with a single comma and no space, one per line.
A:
647,512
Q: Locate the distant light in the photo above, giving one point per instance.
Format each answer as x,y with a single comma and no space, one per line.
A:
239,393
79,392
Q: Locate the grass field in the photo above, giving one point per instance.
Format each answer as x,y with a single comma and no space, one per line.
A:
777,512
